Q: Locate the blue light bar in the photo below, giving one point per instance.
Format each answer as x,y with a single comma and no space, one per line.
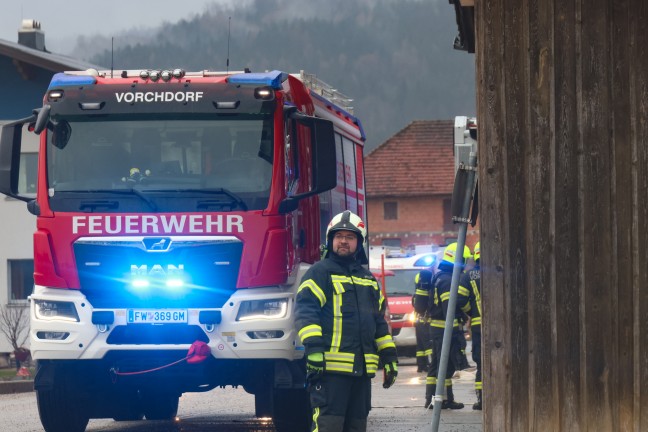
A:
140,283
65,80
353,118
272,79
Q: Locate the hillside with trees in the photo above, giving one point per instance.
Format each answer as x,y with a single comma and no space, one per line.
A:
393,58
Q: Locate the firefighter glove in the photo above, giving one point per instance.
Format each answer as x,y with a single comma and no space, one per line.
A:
314,367
390,372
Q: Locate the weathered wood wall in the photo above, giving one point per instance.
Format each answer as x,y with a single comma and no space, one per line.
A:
563,166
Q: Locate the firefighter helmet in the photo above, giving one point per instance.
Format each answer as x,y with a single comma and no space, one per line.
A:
347,221
451,251
476,252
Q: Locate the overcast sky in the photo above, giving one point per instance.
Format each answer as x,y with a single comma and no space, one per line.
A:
62,21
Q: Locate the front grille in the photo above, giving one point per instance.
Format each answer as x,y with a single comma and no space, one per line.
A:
165,334
396,331
208,266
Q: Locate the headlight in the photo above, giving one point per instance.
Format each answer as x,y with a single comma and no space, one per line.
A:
55,310
263,309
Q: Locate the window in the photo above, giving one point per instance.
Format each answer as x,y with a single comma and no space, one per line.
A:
394,242
21,279
390,209
27,177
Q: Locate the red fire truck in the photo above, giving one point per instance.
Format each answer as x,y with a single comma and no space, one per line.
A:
176,213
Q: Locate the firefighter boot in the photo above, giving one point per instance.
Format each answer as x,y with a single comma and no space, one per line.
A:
429,394
450,403
478,405
421,363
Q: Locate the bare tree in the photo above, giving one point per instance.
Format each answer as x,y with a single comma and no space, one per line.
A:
14,324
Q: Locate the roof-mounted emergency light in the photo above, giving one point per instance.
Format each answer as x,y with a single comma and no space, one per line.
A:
65,80
54,95
271,79
264,93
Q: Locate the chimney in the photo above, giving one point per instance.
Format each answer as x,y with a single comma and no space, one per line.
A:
30,35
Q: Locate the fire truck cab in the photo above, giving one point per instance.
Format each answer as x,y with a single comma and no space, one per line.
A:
176,213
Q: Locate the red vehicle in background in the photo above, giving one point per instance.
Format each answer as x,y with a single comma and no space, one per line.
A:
396,271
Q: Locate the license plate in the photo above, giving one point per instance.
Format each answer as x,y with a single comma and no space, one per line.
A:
156,316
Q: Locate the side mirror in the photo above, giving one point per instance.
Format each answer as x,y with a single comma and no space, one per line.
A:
42,119
61,134
323,165
10,146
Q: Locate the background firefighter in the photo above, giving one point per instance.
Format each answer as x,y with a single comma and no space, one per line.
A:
472,280
438,297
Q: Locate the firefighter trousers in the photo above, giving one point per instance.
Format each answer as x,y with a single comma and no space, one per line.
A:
436,335
476,355
340,403
423,345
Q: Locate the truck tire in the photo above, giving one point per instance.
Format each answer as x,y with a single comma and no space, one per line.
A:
163,406
292,411
263,402
60,410
128,408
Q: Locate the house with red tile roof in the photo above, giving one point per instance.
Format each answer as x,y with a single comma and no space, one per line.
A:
409,182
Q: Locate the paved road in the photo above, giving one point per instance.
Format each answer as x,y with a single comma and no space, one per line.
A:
398,409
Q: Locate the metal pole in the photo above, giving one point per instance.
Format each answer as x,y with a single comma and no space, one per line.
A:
454,289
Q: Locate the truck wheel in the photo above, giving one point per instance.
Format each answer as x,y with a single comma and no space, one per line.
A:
128,408
292,411
60,410
263,402
160,406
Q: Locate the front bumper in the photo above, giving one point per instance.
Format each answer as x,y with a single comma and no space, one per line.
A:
230,339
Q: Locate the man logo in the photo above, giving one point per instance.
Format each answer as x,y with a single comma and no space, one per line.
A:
157,244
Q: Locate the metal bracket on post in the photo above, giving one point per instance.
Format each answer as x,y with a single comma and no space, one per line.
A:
462,198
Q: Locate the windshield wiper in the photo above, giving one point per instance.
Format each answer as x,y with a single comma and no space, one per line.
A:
130,191
235,199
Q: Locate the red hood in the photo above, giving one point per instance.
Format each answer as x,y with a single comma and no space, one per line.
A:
400,305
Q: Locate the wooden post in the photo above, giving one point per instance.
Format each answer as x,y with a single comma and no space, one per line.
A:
563,159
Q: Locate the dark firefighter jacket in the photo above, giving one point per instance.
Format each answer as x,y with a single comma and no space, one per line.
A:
341,312
472,280
423,286
437,295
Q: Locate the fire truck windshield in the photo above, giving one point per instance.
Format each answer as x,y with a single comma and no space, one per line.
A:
166,165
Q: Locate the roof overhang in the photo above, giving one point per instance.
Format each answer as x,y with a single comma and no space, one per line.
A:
42,59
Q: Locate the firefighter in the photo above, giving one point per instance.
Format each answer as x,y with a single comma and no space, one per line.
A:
421,326
438,296
340,318
472,280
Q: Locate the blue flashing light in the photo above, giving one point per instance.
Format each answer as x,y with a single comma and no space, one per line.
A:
353,118
65,80
140,283
425,261
174,283
272,79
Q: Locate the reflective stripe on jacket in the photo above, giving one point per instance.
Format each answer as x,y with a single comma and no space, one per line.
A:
340,312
